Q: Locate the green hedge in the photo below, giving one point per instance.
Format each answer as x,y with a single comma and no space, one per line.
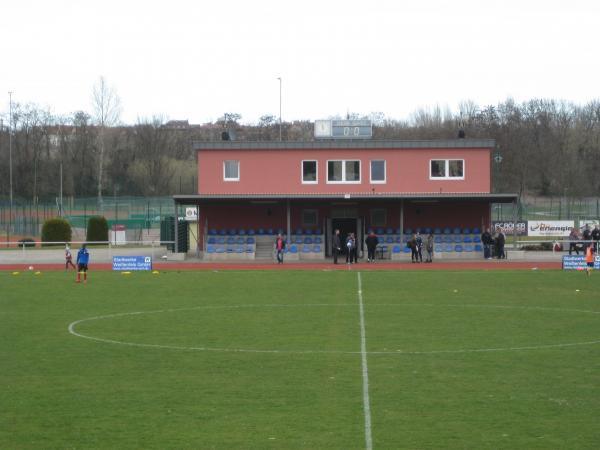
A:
56,230
97,229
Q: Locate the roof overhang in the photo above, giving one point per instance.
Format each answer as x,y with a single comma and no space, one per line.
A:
345,144
410,196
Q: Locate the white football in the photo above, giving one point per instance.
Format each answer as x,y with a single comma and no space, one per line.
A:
30,267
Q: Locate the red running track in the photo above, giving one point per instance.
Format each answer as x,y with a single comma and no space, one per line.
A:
445,265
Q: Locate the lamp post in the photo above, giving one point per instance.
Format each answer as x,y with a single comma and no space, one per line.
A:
279,78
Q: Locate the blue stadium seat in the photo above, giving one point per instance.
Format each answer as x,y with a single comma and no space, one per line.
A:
229,250
427,230
318,240
250,240
316,248
467,239
478,248
210,248
457,230
389,240
438,239
249,248
466,231
398,239
251,232
447,230
221,240
241,232
458,248
447,239
468,248
212,240
298,240
476,230
240,240
308,240
476,239
270,231
457,239
220,249
308,232
408,231
280,231
212,232
222,232
438,248
396,249
318,232
437,231
298,230
232,232
260,231
230,240
448,248
406,249
306,248
398,231
389,231
240,249
293,248
380,231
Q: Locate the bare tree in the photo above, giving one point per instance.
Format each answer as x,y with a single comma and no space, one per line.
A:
107,112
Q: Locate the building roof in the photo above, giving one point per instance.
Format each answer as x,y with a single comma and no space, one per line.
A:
345,144
413,196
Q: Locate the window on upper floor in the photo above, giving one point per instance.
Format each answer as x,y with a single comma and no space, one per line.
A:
231,170
447,169
343,171
378,171
309,172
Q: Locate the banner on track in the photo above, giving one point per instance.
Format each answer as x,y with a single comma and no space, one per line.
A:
127,263
577,262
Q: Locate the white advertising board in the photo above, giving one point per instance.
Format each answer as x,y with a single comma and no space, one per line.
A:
558,228
191,214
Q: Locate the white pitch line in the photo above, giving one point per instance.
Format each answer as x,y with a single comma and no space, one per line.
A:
365,369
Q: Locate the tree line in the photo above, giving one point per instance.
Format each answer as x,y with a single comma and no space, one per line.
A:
545,147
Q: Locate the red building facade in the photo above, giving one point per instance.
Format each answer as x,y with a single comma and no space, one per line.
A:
351,185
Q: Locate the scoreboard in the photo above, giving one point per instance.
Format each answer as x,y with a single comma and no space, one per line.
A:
343,129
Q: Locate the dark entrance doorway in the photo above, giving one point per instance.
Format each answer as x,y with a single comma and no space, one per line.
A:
346,226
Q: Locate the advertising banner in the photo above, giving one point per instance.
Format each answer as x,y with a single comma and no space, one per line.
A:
507,227
127,263
191,214
577,262
552,228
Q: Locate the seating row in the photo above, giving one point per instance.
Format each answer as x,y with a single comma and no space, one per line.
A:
427,230
439,248
230,249
445,239
259,232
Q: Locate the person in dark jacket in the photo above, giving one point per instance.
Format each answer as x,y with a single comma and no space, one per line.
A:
500,241
350,249
371,242
336,246
487,241
83,259
596,237
412,244
279,248
586,236
419,241
429,248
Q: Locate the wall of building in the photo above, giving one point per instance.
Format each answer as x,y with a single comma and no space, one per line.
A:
279,171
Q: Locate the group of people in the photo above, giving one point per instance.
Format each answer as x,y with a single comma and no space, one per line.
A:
493,246
589,237
349,248
83,259
416,243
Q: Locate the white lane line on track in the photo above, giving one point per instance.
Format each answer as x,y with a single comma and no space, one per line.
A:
365,369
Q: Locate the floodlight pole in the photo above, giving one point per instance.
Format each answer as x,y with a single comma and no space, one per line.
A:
279,78
10,118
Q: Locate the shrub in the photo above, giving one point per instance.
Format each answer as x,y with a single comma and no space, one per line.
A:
97,229
26,242
56,230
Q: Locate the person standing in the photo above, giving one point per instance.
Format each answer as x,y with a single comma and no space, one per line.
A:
336,246
589,259
429,248
371,242
279,248
500,241
68,258
412,244
350,246
596,237
83,259
573,238
419,241
487,241
587,237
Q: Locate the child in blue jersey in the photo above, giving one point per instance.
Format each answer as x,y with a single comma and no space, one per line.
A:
83,258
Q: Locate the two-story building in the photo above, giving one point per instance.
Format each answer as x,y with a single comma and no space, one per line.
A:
354,186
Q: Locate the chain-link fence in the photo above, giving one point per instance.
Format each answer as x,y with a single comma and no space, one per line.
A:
137,215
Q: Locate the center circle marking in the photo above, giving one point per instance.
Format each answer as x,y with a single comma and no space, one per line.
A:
72,330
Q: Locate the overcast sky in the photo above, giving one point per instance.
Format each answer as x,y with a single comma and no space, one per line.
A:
198,59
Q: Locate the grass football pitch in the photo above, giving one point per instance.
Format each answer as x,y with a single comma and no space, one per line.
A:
300,360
